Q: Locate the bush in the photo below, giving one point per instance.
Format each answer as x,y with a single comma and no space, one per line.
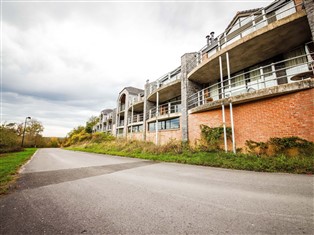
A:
99,137
289,146
9,140
213,137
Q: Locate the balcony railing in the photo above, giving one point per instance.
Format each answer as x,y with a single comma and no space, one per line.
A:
244,27
285,71
121,107
166,109
107,128
121,123
136,118
105,117
136,100
164,80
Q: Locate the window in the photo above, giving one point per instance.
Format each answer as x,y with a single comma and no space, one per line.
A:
151,126
237,80
169,124
254,74
267,71
296,53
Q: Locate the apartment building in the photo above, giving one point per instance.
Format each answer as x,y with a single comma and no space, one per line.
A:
255,77
106,121
127,112
163,108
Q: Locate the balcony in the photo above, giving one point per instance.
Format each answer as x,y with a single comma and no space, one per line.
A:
137,104
168,86
267,33
120,124
166,110
121,108
136,118
136,100
283,72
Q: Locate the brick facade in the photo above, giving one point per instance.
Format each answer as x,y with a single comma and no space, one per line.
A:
135,136
164,136
281,116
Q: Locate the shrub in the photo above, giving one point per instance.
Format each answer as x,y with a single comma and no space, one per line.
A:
213,137
289,146
9,141
99,137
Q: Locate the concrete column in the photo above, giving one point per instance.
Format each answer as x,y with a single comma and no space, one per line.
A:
309,8
157,114
187,89
147,106
117,117
126,115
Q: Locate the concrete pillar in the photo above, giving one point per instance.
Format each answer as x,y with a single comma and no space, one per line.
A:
126,115
309,8
147,106
187,88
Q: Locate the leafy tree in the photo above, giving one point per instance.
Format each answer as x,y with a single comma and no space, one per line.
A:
90,123
54,142
9,140
33,132
75,131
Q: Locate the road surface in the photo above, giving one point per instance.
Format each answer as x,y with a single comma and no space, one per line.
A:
65,192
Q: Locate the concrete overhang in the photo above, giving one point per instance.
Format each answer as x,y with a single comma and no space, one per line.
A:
274,39
135,123
166,92
138,106
164,117
256,95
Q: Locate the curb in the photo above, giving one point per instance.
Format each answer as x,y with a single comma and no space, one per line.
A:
23,166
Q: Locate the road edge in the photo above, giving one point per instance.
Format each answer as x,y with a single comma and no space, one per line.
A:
22,168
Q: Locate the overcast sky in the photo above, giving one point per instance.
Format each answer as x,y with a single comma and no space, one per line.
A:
66,61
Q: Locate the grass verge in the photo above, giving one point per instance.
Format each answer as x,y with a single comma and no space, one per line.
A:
280,163
10,163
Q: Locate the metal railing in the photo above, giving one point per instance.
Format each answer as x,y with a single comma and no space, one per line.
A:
270,75
135,100
164,80
136,118
248,25
121,123
121,107
166,109
106,117
107,128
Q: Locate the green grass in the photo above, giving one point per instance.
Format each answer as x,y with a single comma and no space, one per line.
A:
281,163
10,163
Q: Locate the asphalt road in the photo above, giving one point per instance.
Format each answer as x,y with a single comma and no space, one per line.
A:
80,193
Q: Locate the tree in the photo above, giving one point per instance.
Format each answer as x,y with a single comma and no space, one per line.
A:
9,140
33,132
90,123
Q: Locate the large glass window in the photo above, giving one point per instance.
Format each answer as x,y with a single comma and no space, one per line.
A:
238,79
137,128
151,126
267,71
254,73
296,53
169,124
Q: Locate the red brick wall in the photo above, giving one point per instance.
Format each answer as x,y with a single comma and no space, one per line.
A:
164,136
135,136
281,116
